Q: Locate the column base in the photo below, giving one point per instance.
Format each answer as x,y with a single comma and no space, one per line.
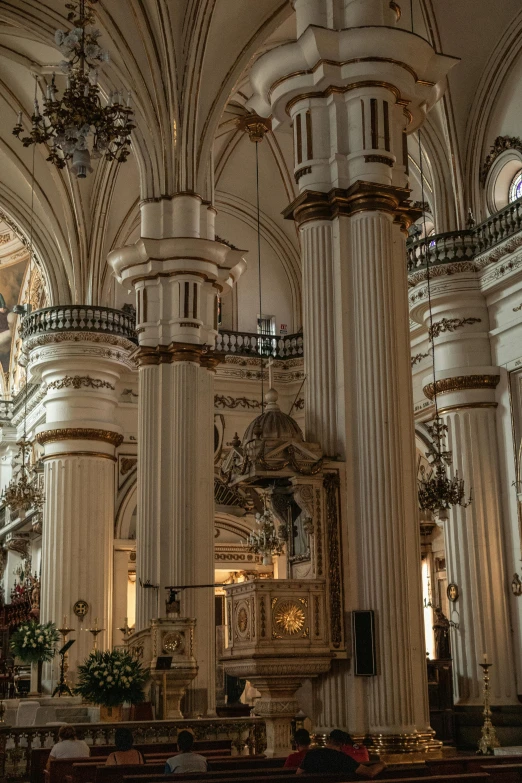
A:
408,748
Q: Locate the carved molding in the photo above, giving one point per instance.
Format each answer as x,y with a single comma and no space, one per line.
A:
500,145
78,382
449,325
127,464
223,401
461,383
418,358
79,433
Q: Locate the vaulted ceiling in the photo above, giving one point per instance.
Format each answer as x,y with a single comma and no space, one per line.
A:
187,63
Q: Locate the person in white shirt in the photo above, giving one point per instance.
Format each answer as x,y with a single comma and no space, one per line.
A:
68,746
185,760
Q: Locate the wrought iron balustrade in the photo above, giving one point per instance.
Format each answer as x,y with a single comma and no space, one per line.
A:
454,246
79,318
248,735
252,344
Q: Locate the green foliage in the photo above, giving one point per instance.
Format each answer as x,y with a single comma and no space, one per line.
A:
34,642
110,679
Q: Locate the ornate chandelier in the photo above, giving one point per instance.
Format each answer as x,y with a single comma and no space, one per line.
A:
23,493
437,492
266,541
78,126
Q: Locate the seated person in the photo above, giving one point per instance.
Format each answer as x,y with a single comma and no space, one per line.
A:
302,742
357,752
68,746
185,760
332,760
124,753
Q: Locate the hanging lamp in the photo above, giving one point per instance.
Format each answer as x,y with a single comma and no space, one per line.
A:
78,126
437,490
24,491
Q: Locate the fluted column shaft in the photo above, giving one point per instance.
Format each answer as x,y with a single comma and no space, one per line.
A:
386,512
80,374
476,562
318,325
77,538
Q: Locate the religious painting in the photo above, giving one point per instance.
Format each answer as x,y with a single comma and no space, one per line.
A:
14,258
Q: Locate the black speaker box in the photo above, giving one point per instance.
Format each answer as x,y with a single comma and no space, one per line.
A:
363,625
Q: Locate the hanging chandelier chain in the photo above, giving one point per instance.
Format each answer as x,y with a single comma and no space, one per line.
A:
258,210
437,492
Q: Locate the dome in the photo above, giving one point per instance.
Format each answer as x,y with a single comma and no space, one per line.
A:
273,424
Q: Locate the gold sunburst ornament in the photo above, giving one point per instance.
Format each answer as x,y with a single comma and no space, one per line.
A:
289,618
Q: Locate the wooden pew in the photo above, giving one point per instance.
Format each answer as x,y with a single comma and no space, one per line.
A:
281,776
454,765
504,773
220,748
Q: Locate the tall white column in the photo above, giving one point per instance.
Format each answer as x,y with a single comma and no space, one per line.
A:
349,124
80,435
474,539
178,272
319,326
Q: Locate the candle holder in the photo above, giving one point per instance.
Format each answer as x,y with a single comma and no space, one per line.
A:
95,631
65,631
125,628
488,740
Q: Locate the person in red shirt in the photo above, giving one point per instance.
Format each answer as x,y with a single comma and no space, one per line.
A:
350,748
302,742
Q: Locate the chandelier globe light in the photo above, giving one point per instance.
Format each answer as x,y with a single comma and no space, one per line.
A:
77,126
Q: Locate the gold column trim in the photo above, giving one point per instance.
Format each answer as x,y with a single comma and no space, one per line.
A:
79,433
334,89
61,454
360,197
464,405
256,127
461,383
177,352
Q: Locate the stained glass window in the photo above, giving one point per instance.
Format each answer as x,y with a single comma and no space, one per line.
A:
515,189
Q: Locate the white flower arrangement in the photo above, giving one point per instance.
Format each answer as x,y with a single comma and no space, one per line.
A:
110,679
34,642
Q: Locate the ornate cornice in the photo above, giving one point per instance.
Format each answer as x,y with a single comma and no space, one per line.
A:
79,433
441,270
76,337
360,197
461,383
77,382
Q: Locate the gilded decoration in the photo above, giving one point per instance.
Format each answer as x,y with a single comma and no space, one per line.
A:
242,620
331,485
79,433
461,383
449,325
173,642
418,358
79,382
289,618
127,464
500,145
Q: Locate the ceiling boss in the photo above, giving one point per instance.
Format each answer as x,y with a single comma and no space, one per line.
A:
77,126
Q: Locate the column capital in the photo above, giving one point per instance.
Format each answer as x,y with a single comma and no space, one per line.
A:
177,352
360,197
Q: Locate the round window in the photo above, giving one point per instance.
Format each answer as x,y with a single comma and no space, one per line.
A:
515,189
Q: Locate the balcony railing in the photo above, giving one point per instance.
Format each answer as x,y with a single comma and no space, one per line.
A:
465,245
79,318
251,344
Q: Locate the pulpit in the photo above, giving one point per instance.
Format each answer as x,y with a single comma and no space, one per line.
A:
277,637
166,650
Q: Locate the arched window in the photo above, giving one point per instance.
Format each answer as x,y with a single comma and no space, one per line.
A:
515,189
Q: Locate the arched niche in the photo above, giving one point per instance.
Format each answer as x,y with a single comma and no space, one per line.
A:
499,178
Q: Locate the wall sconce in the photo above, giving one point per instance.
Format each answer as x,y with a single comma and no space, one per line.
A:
516,585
